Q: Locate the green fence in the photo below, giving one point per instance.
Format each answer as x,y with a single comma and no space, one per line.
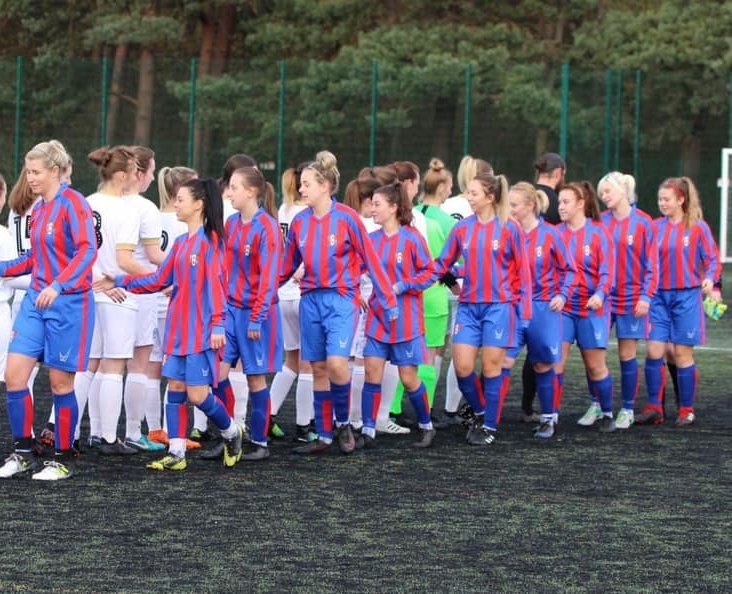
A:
367,113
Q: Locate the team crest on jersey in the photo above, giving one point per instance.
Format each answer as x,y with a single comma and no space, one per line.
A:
587,250
686,241
399,257
630,240
538,251
194,260
247,249
332,239
495,245
49,229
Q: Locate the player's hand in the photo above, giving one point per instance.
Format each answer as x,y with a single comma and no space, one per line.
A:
103,284
217,341
557,303
716,295
641,308
167,291
392,314
707,286
594,302
254,334
116,294
46,298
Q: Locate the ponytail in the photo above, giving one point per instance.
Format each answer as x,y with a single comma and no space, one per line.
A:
496,186
213,206
169,180
691,204
396,194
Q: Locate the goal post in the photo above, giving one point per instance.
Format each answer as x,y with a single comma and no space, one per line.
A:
725,225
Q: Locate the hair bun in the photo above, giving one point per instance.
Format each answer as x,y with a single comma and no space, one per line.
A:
326,160
436,164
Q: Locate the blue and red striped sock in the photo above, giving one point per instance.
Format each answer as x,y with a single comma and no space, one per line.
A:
472,392
505,387
260,415
323,405
370,402
545,386
629,382
492,391
421,404
20,414
214,409
655,381
225,393
687,377
341,395
602,391
66,414
176,415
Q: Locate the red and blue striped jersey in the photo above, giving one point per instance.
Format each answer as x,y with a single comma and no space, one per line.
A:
592,249
332,249
63,245
195,268
410,269
686,256
495,268
553,269
636,259
253,256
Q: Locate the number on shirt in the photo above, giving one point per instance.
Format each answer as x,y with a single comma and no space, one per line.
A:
20,233
285,228
164,240
98,227
457,216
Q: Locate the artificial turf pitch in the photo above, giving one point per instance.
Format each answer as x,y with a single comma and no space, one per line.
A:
643,510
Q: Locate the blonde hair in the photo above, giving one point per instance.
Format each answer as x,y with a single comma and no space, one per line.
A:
169,180
52,153
684,188
468,169
622,181
496,186
538,200
325,167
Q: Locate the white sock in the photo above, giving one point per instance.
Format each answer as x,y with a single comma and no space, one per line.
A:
304,399
134,394
82,383
241,395
230,431
32,379
452,391
438,366
388,390
200,420
152,405
358,376
177,447
165,401
110,404
95,408
280,388
52,414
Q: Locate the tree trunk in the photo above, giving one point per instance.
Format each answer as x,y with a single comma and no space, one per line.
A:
115,90
691,156
145,96
541,142
205,57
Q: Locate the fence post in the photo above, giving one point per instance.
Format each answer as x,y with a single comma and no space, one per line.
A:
281,128
618,118
729,125
468,108
637,130
608,120
192,113
18,114
105,100
564,117
374,108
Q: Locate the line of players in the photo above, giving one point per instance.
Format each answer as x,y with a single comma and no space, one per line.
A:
520,281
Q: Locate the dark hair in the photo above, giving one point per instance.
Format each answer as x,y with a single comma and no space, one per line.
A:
396,194
548,162
385,174
113,160
358,190
237,161
253,178
584,190
406,170
143,155
207,189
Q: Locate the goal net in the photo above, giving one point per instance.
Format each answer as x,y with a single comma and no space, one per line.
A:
725,212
